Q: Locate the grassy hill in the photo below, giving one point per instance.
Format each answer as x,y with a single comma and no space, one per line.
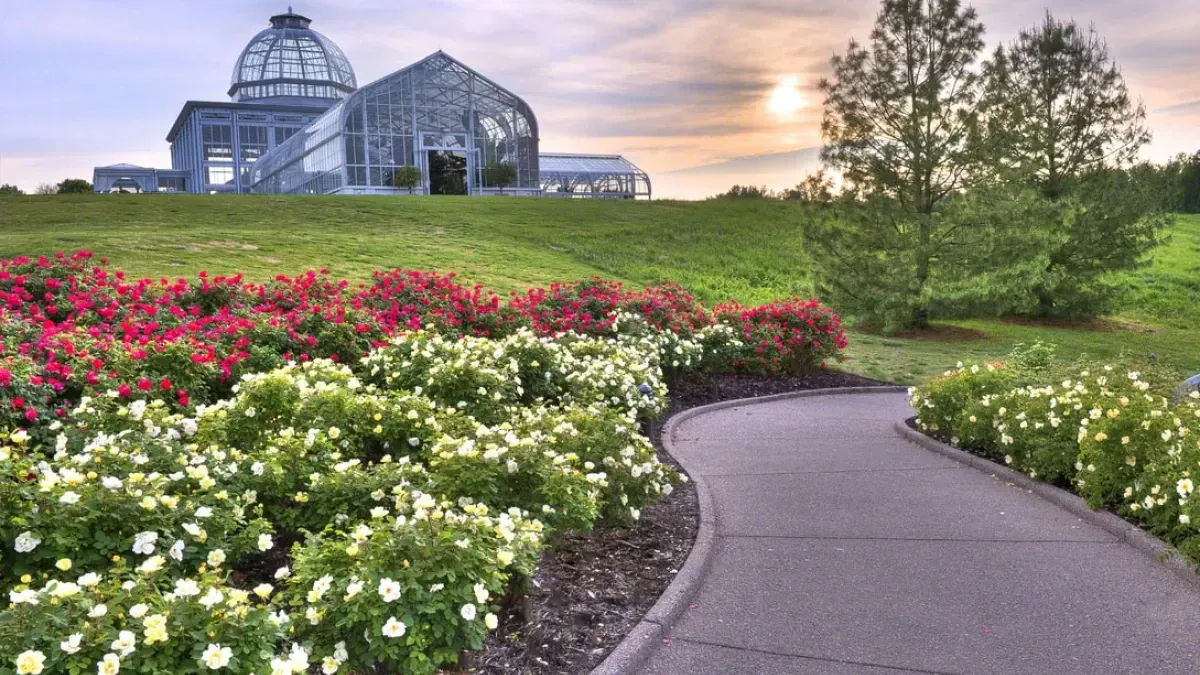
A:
747,250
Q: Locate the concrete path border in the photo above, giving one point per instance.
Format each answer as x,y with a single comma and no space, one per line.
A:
635,649
1145,543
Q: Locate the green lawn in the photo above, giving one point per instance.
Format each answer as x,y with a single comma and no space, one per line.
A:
748,250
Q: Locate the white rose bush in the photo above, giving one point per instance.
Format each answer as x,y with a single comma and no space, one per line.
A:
296,477
1122,437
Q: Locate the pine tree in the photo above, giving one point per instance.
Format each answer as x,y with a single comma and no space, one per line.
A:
901,125
1062,119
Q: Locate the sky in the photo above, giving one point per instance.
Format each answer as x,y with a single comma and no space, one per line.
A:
699,93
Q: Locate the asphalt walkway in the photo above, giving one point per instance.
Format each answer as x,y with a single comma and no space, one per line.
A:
841,548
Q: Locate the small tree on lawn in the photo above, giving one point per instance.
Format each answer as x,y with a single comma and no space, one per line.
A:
901,124
76,186
45,189
407,177
500,174
1063,120
7,189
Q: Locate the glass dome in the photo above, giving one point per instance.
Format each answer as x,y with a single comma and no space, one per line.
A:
289,60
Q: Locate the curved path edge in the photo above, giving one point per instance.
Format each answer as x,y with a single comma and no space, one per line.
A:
1145,543
636,647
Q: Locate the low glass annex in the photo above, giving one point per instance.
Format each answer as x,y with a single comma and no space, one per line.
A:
593,176
437,115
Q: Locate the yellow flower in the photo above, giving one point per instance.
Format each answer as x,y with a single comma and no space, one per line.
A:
1101,437
63,564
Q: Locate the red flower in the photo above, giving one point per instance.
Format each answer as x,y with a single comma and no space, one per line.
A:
31,414
124,391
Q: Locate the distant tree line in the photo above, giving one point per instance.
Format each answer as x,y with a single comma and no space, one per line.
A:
66,187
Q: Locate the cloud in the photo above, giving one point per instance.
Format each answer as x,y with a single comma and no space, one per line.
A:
672,83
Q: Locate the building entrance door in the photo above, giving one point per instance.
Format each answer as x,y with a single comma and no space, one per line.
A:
449,163
447,172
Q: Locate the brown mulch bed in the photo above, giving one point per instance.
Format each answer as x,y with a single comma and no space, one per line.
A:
591,590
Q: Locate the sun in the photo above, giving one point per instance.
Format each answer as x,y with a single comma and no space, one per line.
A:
786,99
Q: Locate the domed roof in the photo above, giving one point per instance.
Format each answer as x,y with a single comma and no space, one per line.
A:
289,60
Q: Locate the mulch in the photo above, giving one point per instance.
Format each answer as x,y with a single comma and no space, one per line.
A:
591,589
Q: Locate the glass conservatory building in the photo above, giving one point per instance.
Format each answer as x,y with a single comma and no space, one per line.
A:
297,123
437,115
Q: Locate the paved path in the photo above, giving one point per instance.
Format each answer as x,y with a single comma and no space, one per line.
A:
842,548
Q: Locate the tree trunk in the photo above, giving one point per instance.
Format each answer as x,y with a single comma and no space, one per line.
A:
920,318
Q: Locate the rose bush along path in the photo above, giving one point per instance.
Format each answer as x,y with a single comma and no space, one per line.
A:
1124,438
161,435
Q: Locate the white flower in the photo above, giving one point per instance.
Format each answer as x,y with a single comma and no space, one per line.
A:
313,615
143,542
204,512
152,564
30,662
216,657
283,573
109,665
176,550
124,643
138,611
71,644
468,612
216,557
340,653
25,543
329,665
69,498
64,589
481,593
353,589
186,588
389,590
394,628
298,658
98,611
90,579
111,483
27,596
257,468
264,542
281,667
212,597
1184,487
491,621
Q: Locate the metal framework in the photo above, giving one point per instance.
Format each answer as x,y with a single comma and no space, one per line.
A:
592,176
290,60
436,107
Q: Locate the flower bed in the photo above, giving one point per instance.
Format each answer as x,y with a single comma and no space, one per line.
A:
420,442
1119,437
